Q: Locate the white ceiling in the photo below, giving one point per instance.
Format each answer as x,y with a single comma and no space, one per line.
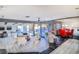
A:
45,12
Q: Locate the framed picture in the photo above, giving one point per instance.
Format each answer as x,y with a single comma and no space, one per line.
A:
2,28
9,28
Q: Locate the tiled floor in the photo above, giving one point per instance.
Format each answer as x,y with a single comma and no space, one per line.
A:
71,46
43,45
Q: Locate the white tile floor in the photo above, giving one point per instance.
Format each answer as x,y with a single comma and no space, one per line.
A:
30,47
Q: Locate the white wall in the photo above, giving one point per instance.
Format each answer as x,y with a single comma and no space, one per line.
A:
7,40
70,23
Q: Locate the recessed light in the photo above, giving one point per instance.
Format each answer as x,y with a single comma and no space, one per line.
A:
76,8
27,16
2,16
1,6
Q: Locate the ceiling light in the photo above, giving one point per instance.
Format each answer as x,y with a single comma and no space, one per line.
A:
1,7
27,16
2,16
77,8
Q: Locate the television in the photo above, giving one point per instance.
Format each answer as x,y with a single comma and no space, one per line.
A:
2,28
